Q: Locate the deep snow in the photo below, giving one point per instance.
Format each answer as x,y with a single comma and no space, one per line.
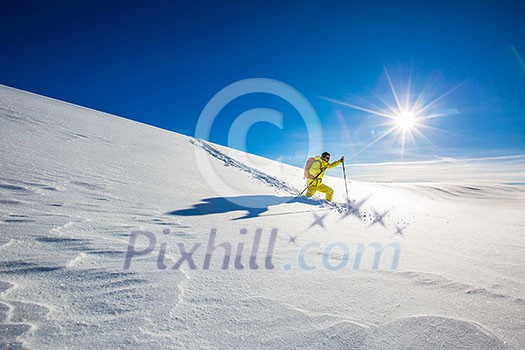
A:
75,184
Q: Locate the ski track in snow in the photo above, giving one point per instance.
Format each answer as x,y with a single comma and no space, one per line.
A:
262,177
256,174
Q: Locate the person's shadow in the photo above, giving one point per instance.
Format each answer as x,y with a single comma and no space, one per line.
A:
254,205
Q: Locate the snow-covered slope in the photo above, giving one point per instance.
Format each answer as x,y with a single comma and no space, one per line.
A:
79,189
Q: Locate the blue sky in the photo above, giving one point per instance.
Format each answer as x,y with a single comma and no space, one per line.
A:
161,62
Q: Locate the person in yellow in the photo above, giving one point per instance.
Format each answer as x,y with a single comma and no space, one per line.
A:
314,172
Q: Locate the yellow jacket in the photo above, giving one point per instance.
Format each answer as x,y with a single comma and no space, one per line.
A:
320,166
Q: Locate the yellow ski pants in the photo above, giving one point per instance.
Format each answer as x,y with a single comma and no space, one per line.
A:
318,186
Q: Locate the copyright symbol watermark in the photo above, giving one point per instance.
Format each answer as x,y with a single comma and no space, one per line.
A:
238,132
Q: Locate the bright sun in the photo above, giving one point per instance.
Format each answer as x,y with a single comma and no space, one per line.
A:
405,113
405,121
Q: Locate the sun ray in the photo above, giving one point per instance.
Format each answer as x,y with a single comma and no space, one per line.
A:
432,116
378,113
420,134
407,95
385,134
392,89
410,137
424,126
385,103
433,102
403,139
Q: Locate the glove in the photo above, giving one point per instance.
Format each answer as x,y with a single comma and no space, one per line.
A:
342,158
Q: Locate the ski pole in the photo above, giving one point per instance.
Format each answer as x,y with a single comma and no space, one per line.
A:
311,182
346,185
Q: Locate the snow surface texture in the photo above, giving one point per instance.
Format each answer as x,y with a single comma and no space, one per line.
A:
75,184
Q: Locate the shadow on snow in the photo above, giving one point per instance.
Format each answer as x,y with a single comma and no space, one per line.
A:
254,205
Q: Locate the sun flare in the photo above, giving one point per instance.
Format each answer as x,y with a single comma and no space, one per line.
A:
405,115
406,121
